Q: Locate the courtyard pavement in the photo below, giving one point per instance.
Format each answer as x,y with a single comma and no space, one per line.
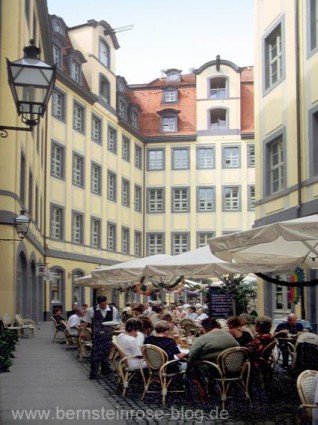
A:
47,384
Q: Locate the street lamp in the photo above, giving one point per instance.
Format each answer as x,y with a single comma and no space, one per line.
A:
21,224
31,82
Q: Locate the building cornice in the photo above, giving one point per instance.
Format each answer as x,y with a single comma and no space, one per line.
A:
88,96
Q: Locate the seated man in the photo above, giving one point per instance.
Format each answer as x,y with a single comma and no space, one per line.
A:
60,321
207,347
281,332
73,323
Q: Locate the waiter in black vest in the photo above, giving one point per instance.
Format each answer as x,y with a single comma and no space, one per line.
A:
101,334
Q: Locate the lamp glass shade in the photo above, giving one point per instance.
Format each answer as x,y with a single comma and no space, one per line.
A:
31,82
22,223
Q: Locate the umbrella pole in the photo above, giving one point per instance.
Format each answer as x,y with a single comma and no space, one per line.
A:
302,303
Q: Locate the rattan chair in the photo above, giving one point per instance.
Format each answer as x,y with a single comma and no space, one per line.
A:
159,370
267,361
10,324
305,388
120,361
189,327
85,343
232,367
27,325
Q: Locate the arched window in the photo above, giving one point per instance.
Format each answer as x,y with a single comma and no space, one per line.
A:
218,88
104,53
104,89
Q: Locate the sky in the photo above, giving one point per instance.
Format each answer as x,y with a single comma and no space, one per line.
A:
182,34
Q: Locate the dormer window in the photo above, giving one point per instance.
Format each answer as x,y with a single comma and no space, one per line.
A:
75,71
169,120
57,55
104,53
134,119
122,109
58,28
218,88
173,76
170,95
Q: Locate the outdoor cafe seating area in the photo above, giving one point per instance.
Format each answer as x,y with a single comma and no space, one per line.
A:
233,385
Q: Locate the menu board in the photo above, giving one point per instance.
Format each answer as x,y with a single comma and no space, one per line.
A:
220,304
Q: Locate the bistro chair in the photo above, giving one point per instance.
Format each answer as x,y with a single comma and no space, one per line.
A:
267,361
27,325
232,367
160,371
85,343
125,373
305,388
189,328
305,355
9,324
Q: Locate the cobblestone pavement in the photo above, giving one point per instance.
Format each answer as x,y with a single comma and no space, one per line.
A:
276,404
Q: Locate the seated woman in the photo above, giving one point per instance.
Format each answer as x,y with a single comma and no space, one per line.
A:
242,336
60,321
146,330
128,342
162,340
262,338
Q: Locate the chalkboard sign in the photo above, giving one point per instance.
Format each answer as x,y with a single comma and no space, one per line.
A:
220,304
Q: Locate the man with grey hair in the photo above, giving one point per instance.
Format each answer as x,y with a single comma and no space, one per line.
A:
291,326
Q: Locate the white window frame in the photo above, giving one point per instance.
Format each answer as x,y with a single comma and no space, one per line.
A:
155,243
126,148
277,165
205,158
56,228
180,243
75,71
96,179
125,193
78,117
112,139
138,198
77,170
180,199
138,244
169,124
111,186
104,53
231,157
58,105
155,198
180,159
95,233
77,228
96,129
206,199
155,159
111,237
57,161
125,240
231,198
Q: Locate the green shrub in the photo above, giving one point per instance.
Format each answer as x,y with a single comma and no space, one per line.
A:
8,340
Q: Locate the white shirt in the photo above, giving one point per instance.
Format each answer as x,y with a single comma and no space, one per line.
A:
73,322
201,317
130,346
90,313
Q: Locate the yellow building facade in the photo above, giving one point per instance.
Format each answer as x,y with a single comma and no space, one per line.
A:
106,180
286,117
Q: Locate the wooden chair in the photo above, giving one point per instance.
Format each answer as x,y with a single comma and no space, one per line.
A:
305,388
27,325
158,371
72,341
120,362
232,367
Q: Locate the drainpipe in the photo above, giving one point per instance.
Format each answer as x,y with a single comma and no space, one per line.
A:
298,135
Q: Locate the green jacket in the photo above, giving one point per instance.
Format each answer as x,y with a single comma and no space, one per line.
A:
211,344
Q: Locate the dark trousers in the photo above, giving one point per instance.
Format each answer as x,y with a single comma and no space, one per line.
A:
102,345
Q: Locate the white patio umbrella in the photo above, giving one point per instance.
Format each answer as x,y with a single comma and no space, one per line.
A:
200,263
129,270
287,243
